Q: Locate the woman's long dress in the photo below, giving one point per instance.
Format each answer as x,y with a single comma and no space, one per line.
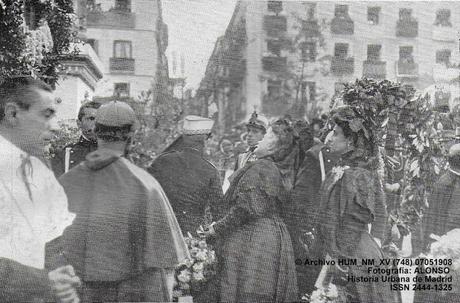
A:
349,203
257,260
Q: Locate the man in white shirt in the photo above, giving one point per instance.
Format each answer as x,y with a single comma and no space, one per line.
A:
33,206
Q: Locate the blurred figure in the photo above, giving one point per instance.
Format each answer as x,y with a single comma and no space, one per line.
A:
443,215
317,125
125,240
75,153
191,183
33,205
256,127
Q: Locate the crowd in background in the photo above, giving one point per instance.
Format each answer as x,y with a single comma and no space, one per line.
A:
91,226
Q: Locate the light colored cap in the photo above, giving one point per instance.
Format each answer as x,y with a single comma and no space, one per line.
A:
454,150
116,114
196,125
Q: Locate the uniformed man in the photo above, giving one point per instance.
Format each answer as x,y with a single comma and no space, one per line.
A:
75,153
191,183
256,127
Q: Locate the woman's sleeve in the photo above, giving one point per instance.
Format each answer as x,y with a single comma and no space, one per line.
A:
258,184
369,195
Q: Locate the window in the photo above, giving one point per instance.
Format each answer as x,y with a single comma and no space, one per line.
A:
405,53
405,14
443,56
443,18
121,90
30,16
309,51
275,6
311,11
373,52
308,91
123,5
341,11
274,47
341,50
373,15
122,49
274,88
94,44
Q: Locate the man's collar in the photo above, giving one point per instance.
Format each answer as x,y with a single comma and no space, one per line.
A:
85,141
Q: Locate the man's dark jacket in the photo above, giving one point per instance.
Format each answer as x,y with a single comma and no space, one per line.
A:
191,183
305,199
77,153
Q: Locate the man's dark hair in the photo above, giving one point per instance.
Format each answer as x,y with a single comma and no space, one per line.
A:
113,133
21,91
91,104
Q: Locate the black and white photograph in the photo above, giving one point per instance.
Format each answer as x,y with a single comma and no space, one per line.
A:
229,151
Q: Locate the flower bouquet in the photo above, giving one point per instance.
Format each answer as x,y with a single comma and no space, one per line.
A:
328,294
192,274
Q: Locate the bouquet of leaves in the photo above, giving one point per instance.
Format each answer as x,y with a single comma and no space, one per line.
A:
65,136
192,274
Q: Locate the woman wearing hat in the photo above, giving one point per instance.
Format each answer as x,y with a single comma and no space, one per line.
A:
257,259
352,199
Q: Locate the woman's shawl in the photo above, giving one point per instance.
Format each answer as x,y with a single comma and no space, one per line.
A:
251,194
345,186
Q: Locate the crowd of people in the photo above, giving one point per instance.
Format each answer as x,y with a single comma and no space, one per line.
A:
90,226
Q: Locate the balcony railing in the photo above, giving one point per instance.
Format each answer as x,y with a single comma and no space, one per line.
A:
274,64
342,26
111,19
124,65
407,28
275,25
374,69
406,69
342,66
444,33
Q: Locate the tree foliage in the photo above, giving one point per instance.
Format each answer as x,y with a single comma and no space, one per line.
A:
35,49
389,105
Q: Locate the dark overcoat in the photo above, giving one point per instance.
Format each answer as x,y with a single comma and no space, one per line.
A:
304,200
124,233
77,153
192,185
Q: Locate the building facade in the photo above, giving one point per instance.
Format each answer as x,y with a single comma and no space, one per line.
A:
293,56
130,38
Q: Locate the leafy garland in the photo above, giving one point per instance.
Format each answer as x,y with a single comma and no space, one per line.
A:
393,106
36,52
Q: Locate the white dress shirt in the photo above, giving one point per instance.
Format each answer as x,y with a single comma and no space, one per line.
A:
33,206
